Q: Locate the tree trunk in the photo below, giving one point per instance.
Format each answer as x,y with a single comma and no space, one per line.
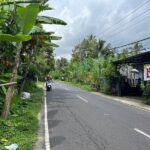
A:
24,79
10,90
27,70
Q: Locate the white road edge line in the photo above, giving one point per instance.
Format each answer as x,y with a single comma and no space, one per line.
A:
82,99
47,141
143,133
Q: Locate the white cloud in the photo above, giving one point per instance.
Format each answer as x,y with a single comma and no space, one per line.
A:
68,56
85,17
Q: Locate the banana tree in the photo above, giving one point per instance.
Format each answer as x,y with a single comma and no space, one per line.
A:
36,42
39,35
24,19
50,20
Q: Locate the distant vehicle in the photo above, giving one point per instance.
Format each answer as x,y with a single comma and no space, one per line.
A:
62,78
48,86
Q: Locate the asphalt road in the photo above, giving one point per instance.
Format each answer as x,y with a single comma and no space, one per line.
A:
80,120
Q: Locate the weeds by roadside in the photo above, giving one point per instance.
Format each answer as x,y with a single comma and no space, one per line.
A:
22,125
79,85
147,93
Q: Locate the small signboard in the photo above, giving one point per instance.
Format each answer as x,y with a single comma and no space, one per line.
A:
147,72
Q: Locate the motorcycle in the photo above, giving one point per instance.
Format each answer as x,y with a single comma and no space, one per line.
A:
48,86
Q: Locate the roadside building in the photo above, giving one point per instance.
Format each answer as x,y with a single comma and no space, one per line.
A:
135,71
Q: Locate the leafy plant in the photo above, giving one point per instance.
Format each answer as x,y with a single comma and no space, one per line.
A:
146,93
22,35
22,125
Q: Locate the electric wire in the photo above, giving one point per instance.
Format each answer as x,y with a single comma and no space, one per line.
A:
126,27
144,39
141,14
131,13
131,52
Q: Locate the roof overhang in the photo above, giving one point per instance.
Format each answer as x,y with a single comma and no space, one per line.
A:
142,58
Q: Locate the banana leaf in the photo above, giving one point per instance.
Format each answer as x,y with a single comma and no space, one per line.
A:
50,20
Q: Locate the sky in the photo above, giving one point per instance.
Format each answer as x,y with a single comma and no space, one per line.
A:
106,19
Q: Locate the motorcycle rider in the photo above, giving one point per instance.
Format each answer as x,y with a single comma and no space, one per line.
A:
48,81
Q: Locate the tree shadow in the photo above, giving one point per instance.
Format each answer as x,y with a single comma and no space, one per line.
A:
52,113
53,123
57,140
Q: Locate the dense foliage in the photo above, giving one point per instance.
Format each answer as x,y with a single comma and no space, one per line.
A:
147,93
26,50
92,64
26,55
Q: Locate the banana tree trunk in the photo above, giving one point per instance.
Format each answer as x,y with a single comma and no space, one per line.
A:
24,79
10,90
27,69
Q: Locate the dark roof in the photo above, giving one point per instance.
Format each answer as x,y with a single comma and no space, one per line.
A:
142,58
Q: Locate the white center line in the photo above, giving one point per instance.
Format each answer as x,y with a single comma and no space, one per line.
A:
141,132
82,99
105,114
47,142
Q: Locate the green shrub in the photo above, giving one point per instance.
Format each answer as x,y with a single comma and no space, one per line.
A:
30,86
104,85
148,101
2,95
56,75
146,93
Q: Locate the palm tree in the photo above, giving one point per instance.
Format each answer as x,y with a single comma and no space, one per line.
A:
103,50
136,49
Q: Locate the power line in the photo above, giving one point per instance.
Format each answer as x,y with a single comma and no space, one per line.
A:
145,49
116,29
131,13
131,43
126,27
141,51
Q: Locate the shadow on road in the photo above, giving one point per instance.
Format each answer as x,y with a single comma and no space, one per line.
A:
52,113
53,123
56,140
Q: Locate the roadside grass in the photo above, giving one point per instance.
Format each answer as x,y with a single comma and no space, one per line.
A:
22,125
147,101
79,85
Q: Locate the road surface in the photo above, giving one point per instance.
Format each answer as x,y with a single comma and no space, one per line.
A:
80,120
